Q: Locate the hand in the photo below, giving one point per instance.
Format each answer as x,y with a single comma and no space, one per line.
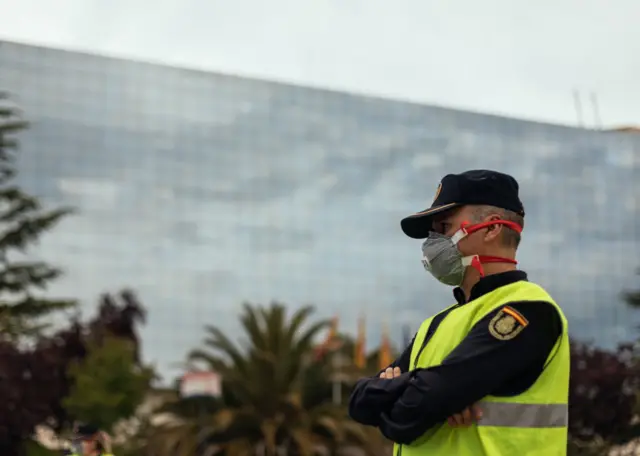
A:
390,373
465,418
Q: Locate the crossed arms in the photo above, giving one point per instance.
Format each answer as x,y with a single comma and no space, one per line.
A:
406,406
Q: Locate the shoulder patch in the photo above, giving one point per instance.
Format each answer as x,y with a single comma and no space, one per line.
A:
507,324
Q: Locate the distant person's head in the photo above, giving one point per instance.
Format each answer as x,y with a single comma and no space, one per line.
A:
472,228
87,440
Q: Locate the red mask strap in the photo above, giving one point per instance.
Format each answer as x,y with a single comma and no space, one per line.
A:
495,259
477,261
468,228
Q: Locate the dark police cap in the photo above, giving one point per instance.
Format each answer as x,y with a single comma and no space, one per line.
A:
86,430
476,187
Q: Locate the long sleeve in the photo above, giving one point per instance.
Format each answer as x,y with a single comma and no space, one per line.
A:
371,395
481,365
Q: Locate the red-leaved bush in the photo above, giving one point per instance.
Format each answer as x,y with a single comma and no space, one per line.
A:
34,380
603,389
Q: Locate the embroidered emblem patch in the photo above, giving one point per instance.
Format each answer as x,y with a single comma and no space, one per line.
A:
507,324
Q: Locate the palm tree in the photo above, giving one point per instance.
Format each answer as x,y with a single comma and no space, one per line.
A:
274,393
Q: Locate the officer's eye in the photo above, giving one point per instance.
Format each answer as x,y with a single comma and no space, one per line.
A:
441,227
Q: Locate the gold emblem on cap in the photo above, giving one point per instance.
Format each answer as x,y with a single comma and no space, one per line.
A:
438,190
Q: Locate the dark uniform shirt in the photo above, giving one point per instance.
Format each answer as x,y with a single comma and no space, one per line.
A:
405,407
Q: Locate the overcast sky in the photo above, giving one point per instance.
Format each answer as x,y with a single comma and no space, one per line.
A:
512,57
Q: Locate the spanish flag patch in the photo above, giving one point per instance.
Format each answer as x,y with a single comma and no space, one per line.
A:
507,324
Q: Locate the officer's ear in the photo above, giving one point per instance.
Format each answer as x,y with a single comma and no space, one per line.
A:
493,231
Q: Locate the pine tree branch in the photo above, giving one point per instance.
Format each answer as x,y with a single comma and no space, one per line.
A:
16,329
8,108
28,230
22,319
6,172
5,109
18,203
33,307
22,222
19,276
8,143
10,115
11,125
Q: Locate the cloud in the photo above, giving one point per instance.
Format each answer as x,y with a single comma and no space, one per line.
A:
102,193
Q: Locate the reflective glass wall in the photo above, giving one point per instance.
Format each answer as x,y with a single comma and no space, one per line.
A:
201,191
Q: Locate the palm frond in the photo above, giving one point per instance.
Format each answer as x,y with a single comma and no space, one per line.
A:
274,398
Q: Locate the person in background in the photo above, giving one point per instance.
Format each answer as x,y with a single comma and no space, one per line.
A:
89,440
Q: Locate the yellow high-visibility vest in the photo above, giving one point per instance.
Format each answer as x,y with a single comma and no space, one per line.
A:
533,423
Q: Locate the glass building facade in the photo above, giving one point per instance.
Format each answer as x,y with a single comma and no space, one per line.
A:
201,191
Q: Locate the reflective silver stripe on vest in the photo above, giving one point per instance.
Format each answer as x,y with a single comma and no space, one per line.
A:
509,414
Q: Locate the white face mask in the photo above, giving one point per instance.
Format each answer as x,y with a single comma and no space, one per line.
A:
442,258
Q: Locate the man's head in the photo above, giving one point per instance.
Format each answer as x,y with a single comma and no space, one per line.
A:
87,439
478,195
460,222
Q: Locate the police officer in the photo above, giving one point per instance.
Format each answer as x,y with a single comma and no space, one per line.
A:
88,440
488,375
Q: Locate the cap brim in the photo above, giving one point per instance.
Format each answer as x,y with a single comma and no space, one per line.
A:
418,226
86,431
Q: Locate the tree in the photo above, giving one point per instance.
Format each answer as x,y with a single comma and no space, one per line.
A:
602,397
33,449
108,385
34,378
267,397
22,221
117,316
119,320
25,394
113,330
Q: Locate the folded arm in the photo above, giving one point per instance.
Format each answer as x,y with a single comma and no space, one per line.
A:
481,365
372,395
